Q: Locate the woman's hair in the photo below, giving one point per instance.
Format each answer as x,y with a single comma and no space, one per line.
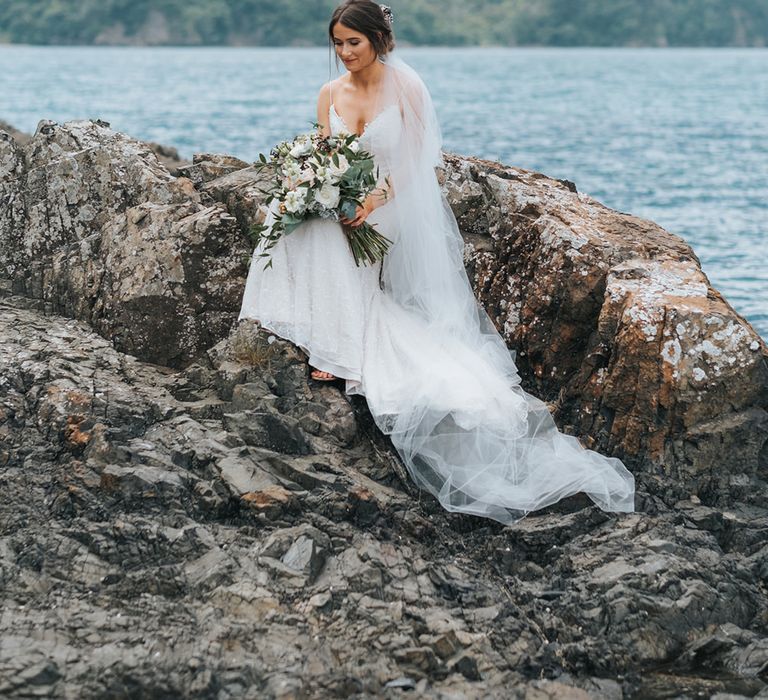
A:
368,18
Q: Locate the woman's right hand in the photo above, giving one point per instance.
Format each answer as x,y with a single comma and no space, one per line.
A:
361,213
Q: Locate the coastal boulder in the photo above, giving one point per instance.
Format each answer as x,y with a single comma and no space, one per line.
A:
98,229
615,323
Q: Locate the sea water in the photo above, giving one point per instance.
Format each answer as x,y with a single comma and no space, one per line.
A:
675,135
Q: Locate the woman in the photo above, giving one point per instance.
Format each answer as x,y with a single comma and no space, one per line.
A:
409,334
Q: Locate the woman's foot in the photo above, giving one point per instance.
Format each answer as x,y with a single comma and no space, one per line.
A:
320,376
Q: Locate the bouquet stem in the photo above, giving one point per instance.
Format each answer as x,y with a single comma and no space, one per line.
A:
367,244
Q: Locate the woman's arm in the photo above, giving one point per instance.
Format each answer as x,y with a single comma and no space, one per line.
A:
323,107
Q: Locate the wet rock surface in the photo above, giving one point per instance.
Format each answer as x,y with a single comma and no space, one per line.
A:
213,524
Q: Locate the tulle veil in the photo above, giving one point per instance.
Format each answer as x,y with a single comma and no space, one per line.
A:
464,428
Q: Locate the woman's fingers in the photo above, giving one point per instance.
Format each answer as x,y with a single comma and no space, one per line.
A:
357,221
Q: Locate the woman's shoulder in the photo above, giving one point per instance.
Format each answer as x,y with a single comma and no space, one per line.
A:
331,86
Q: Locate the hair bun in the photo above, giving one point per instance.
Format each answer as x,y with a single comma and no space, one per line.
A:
387,13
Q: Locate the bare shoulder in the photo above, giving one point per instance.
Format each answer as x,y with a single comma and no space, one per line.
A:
324,97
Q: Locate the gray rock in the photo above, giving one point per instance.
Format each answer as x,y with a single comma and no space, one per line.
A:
226,528
101,231
617,326
305,556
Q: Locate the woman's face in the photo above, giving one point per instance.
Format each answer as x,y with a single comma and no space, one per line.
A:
353,48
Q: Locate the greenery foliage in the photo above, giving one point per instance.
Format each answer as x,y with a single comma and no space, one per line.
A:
431,22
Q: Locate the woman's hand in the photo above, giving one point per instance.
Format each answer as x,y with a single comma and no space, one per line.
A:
361,213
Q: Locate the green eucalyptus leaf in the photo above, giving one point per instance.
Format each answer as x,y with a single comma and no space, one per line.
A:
348,208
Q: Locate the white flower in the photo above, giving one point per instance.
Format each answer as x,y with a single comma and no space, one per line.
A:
301,147
307,174
292,170
296,200
338,170
328,195
354,147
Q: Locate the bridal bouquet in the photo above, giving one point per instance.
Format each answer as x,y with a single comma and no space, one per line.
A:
320,176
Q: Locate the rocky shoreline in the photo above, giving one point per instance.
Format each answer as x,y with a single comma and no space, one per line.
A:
186,515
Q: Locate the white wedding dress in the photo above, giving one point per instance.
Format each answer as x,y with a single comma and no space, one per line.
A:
449,399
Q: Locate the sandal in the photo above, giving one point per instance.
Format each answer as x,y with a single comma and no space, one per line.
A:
329,378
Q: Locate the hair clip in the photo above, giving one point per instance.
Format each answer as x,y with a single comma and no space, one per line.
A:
387,13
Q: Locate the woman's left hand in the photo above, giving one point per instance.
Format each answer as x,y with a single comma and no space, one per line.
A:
361,213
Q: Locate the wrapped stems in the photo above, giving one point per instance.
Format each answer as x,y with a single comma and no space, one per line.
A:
367,244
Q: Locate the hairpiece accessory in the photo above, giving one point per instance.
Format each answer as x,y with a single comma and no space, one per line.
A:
387,14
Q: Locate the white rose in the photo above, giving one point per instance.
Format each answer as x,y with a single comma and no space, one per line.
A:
328,196
296,200
301,148
338,170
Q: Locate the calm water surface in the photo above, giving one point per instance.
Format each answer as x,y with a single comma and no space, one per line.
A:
675,135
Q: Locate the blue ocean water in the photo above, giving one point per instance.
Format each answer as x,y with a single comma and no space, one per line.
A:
679,136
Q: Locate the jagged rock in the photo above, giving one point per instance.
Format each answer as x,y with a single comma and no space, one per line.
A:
272,430
636,349
614,320
100,231
210,166
146,544
612,317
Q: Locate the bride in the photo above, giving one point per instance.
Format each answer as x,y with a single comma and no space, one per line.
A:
408,333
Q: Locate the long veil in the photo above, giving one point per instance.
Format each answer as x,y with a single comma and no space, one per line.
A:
462,424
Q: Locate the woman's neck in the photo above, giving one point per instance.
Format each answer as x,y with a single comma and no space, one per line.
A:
369,77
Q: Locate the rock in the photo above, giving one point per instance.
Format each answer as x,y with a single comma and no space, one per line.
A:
305,556
614,321
272,501
210,166
552,690
222,526
466,665
101,231
20,137
422,658
169,157
612,318
268,429
244,477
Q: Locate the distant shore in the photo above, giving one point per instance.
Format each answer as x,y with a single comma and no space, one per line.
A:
449,23
401,45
